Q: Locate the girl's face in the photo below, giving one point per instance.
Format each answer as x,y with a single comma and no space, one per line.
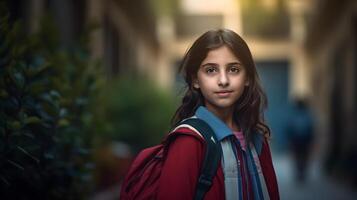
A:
221,77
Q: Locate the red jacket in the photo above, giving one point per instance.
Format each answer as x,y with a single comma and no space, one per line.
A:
180,171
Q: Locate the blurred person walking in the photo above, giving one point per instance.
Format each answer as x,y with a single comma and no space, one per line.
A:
300,136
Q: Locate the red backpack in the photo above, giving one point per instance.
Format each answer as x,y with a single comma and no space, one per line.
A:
142,180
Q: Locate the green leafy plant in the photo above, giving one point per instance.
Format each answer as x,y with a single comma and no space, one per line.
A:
135,111
45,121
55,108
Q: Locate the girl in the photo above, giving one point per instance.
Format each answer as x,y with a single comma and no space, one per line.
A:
224,91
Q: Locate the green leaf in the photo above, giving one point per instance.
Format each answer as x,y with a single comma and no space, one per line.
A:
14,125
16,164
37,88
3,94
5,180
32,120
28,154
55,94
18,79
49,156
4,47
37,71
63,123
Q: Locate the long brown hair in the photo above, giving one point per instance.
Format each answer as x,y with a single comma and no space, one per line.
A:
248,110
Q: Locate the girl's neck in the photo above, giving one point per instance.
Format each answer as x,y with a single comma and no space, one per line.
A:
226,115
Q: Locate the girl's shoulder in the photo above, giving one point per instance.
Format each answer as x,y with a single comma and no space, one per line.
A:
185,137
184,144
186,131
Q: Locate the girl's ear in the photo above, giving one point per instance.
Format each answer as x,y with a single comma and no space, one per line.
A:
195,84
246,83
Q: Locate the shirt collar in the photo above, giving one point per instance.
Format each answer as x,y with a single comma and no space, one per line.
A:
222,130
219,127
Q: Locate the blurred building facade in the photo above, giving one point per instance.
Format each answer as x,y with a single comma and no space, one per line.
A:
330,49
124,35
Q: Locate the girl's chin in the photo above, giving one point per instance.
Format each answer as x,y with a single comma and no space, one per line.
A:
221,105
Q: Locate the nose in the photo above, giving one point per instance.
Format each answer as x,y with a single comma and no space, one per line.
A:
223,80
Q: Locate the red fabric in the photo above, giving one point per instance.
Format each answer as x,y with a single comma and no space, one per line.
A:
268,171
144,172
181,169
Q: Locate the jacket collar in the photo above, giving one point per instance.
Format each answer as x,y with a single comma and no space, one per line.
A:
221,129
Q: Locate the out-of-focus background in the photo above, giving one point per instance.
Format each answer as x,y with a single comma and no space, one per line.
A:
86,84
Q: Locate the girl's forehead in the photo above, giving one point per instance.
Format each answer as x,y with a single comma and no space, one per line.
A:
221,54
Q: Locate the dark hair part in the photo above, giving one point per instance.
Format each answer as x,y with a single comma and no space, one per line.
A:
248,110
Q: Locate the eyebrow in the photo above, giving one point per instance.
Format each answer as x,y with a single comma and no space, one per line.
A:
215,64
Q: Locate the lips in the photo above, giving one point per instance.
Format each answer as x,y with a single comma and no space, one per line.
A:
224,93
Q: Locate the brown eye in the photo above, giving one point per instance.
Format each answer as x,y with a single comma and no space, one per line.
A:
210,70
234,69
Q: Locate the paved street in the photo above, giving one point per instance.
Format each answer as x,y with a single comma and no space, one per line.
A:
316,187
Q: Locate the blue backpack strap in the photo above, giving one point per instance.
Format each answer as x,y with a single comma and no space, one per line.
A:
212,156
258,141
